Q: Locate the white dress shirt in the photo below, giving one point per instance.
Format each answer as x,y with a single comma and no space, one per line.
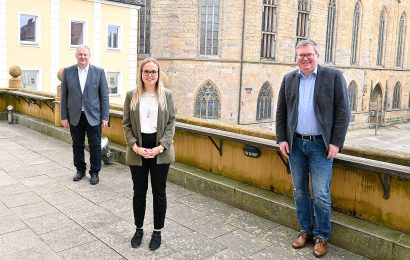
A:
82,76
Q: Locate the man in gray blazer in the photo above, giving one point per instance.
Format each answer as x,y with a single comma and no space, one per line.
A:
84,107
312,118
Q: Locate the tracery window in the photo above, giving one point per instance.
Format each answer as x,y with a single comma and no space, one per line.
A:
264,105
207,102
352,90
396,96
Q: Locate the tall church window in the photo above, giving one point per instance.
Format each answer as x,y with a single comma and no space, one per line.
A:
400,41
144,28
396,96
209,27
264,106
207,102
302,27
330,34
352,90
269,28
409,101
355,33
380,43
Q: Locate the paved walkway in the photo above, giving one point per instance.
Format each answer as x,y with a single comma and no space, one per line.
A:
45,215
392,138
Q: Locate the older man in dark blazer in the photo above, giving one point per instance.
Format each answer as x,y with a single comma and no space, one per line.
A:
312,118
84,107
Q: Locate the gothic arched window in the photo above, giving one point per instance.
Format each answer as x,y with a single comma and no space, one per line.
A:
355,33
207,102
396,96
264,106
330,34
382,36
352,90
400,41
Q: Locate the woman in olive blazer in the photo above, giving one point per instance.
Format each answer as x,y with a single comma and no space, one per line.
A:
149,128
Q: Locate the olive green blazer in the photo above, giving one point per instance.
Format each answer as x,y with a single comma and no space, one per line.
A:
165,130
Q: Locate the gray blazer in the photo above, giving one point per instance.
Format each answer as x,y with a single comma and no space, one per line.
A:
165,130
331,106
94,98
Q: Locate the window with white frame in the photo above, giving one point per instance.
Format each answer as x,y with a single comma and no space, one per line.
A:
29,29
29,79
77,33
113,80
113,37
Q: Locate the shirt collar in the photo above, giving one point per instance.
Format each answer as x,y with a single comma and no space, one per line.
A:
85,69
313,73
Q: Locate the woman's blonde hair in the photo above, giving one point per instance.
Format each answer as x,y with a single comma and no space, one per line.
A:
140,87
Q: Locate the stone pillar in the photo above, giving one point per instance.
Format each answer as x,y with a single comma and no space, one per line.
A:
57,105
15,82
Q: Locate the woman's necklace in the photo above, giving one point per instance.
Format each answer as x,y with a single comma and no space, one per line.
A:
151,98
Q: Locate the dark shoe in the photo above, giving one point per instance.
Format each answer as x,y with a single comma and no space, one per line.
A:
94,179
155,242
301,240
320,248
137,238
78,176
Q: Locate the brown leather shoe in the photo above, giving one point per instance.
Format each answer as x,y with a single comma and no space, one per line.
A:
320,248
301,240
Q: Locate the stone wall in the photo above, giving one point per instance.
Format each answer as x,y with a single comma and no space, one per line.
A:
175,42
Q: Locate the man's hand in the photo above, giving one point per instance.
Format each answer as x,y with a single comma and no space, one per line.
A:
333,150
105,123
284,149
65,123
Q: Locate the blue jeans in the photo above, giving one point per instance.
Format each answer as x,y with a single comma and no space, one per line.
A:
305,157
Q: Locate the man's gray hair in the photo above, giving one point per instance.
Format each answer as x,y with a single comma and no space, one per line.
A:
304,43
83,47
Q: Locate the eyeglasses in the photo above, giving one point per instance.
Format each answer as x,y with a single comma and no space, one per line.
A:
149,72
307,55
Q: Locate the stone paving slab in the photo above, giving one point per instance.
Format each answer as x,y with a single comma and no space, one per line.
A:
45,215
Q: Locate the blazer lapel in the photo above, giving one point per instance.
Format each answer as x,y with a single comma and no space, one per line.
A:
90,75
76,78
320,77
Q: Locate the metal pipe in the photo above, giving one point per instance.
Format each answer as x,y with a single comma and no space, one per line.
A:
241,63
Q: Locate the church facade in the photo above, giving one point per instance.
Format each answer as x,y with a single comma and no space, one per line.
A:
225,60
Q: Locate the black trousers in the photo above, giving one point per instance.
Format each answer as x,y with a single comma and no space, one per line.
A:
78,133
159,173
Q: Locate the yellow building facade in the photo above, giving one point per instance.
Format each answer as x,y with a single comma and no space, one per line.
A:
42,37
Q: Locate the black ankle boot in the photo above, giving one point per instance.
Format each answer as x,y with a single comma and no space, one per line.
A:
137,238
155,242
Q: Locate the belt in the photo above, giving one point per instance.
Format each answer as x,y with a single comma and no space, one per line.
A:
308,137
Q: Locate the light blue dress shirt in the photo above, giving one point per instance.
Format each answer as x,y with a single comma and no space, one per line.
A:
307,123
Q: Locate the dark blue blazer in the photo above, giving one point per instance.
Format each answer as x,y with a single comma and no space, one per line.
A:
331,106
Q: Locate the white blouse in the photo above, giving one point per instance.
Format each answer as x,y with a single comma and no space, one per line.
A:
148,113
